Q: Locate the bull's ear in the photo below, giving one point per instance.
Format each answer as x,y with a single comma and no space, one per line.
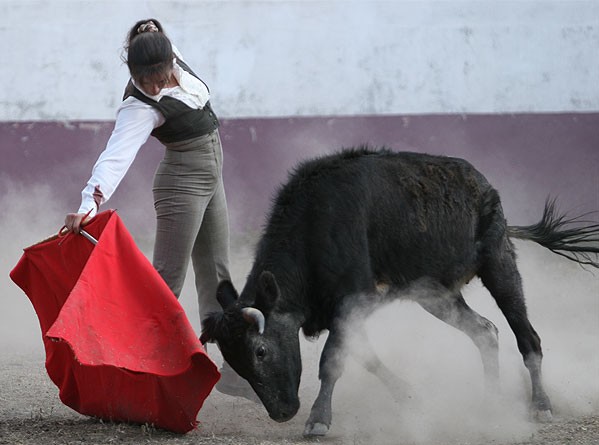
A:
205,338
268,291
210,327
226,294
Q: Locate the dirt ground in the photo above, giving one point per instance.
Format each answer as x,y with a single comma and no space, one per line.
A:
440,362
31,413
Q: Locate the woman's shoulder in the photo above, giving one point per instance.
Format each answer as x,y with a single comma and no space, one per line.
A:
132,104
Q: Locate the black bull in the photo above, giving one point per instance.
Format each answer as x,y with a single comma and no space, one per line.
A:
359,228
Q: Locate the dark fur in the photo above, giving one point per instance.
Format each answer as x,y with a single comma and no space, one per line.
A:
333,210
357,228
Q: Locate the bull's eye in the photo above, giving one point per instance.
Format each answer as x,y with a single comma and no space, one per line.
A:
260,352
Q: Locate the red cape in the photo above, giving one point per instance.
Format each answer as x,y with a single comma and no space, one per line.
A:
118,343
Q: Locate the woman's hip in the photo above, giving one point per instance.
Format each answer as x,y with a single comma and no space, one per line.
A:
195,171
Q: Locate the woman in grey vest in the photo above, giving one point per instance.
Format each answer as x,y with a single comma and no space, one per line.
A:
164,98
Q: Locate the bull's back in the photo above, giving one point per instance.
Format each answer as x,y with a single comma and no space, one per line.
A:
402,215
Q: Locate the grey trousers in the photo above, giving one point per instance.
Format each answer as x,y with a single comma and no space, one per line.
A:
192,218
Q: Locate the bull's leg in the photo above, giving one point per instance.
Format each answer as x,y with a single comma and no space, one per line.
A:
361,349
455,312
501,277
332,361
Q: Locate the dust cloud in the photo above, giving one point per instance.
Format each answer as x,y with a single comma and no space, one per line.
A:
441,363
30,215
445,371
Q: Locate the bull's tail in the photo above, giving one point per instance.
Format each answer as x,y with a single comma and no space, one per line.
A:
575,238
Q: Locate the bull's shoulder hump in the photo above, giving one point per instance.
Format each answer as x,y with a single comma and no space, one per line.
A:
361,165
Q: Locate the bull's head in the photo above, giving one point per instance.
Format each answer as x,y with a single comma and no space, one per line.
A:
260,343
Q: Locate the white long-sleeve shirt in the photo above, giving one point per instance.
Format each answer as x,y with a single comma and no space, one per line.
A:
135,121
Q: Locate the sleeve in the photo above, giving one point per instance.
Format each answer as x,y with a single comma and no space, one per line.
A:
134,123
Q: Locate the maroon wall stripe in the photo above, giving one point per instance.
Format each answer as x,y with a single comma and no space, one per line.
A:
525,156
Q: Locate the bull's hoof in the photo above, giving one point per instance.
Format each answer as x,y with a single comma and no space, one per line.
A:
316,429
544,416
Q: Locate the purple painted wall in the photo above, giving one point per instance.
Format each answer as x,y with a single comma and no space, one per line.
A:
525,156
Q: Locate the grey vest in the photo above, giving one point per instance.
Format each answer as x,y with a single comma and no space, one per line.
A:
181,121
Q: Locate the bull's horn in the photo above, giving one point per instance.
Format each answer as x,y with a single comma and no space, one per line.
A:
254,316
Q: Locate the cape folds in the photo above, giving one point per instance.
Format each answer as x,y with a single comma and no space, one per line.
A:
118,343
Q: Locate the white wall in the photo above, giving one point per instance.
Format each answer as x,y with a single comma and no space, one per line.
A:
279,58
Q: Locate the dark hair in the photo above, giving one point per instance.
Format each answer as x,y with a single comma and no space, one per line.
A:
149,52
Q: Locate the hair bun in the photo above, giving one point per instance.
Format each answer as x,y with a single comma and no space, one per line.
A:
149,26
